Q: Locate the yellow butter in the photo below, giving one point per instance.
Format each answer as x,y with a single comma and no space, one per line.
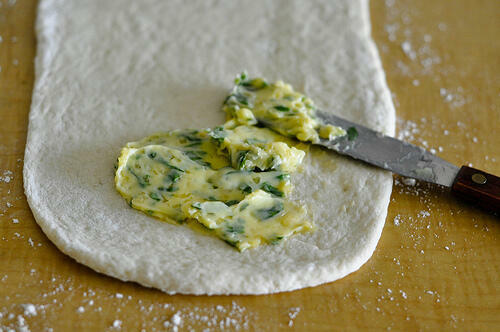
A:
233,180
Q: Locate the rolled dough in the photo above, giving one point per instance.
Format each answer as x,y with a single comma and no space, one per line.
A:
109,72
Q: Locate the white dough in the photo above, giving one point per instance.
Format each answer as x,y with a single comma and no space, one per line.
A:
110,72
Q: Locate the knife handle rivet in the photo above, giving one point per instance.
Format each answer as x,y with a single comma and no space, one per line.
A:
479,178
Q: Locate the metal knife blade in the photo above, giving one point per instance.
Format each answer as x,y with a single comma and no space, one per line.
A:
389,153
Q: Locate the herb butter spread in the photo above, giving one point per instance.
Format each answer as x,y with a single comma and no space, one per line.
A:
233,180
278,106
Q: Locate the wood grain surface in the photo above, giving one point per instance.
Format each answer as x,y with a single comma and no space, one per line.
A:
436,267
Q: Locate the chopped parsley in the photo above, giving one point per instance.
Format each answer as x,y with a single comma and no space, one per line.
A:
242,158
264,214
154,196
173,176
275,239
218,134
196,205
140,180
236,227
244,206
191,145
352,133
166,163
191,138
281,108
283,177
272,190
246,188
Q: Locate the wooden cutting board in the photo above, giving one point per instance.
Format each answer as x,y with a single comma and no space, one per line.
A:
436,266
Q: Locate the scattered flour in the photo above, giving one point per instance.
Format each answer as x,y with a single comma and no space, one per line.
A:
424,214
22,326
174,322
117,324
6,176
397,220
293,312
408,50
409,181
29,309
176,319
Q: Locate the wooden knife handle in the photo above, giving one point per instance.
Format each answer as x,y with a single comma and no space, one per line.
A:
478,187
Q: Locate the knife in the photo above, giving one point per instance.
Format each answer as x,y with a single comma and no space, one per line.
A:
375,148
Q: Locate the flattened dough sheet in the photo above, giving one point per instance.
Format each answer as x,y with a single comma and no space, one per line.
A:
109,72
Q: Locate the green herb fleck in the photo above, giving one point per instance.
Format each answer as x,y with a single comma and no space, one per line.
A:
170,188
152,155
232,243
244,206
191,145
196,205
275,239
283,177
193,155
281,108
173,176
154,196
218,134
242,158
264,214
232,202
272,190
352,133
203,163
241,99
234,172
254,84
142,184
166,163
237,227
245,188
191,138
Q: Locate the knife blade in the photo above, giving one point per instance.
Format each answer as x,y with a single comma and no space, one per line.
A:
388,153
403,158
